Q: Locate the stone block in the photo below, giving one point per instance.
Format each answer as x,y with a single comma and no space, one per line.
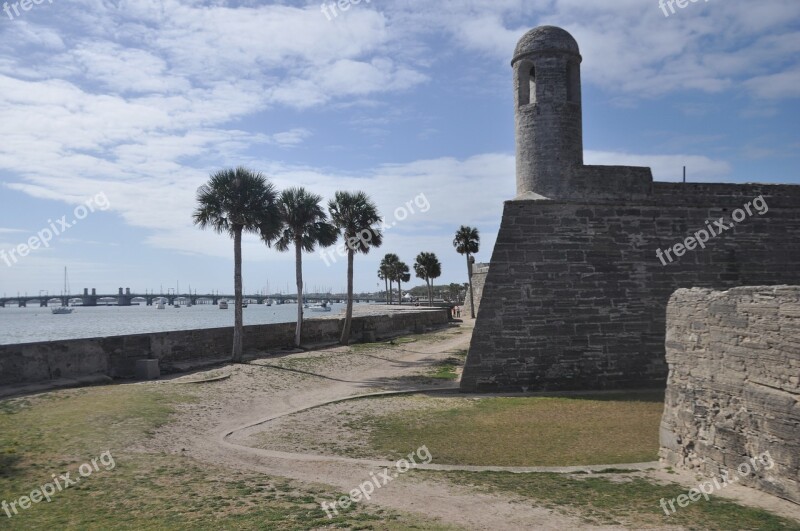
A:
147,370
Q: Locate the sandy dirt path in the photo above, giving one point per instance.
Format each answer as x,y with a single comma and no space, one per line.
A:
255,391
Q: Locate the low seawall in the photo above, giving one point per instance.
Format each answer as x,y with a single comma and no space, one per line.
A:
32,363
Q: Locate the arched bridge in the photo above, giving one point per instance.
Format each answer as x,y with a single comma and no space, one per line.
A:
126,298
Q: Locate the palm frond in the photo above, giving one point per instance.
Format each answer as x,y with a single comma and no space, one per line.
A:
236,198
356,217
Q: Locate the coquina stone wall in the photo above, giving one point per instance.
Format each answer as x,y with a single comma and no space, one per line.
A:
733,391
479,272
116,356
576,296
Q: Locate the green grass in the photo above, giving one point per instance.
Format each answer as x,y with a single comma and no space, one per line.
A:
615,500
445,369
527,431
57,432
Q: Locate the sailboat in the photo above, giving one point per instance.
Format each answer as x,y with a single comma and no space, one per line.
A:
175,302
63,310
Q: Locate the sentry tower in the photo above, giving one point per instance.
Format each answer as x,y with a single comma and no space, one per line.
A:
547,94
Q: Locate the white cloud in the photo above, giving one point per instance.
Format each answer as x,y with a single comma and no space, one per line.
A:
290,138
628,45
781,85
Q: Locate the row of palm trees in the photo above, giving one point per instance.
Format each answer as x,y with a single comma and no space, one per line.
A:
238,201
392,269
427,266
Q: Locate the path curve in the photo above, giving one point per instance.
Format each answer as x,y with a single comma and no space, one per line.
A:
224,436
211,430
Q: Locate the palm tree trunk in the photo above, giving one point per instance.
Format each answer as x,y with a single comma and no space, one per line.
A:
386,285
298,260
430,293
399,293
348,316
471,295
238,328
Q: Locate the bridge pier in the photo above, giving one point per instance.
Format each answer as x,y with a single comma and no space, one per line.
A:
124,299
89,300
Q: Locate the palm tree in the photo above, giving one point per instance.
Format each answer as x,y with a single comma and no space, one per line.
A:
383,275
356,217
235,201
467,242
305,225
387,267
401,274
428,267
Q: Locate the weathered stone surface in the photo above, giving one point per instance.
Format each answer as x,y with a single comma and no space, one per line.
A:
479,272
727,402
147,370
582,304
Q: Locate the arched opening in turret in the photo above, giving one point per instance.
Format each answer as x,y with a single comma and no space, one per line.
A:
532,84
573,82
527,84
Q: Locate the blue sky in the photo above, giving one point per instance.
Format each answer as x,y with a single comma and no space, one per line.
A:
139,101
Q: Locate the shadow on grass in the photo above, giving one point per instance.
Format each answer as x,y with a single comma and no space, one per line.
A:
8,465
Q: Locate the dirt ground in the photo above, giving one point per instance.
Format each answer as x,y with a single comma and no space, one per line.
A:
227,426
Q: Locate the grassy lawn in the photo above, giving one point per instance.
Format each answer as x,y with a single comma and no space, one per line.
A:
56,432
528,431
619,500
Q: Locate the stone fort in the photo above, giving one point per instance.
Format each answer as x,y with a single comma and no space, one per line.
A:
587,257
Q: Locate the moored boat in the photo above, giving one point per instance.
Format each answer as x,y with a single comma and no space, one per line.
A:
322,307
64,310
